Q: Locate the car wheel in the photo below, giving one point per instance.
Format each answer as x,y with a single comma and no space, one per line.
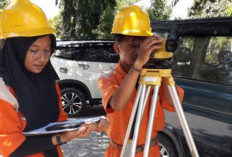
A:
73,101
167,148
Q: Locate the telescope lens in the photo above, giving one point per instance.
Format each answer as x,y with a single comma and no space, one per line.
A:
171,45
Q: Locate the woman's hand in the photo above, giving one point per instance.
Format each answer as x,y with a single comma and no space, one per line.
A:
83,131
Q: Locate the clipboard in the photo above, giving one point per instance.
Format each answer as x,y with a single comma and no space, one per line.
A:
58,127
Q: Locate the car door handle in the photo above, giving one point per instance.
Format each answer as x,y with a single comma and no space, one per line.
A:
63,70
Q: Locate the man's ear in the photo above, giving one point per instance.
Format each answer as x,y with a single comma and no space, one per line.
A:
116,48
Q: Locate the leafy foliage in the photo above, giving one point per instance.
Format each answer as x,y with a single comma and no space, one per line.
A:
174,2
211,8
86,19
105,24
123,3
2,4
80,17
159,10
56,23
106,21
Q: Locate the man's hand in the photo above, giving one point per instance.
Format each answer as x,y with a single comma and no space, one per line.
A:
101,126
146,47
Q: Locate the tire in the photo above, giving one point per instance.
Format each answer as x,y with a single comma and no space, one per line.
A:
167,148
73,101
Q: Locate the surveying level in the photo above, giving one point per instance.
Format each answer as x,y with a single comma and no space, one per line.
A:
161,53
151,79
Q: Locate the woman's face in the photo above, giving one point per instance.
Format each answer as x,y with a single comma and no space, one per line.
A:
38,54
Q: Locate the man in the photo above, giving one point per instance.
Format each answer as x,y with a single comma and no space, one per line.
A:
134,43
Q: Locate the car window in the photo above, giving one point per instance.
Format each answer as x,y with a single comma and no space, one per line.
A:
216,65
101,54
182,66
181,62
161,34
79,53
66,53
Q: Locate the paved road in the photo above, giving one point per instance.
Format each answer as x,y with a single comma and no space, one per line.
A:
93,146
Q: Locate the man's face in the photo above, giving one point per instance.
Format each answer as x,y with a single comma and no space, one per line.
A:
128,50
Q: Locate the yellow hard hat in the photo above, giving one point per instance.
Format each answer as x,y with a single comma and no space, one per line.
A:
21,18
131,20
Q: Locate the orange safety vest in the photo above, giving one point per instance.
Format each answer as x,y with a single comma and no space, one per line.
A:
12,124
120,119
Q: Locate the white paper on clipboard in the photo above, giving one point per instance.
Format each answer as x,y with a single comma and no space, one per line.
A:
42,130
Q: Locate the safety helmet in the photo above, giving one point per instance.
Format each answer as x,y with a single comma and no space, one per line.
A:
21,18
132,21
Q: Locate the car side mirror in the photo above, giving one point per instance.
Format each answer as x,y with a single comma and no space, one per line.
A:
172,40
183,54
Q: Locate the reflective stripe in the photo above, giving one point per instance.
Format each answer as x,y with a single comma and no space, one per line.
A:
7,96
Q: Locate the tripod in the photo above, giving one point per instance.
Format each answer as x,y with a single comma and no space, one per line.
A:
153,78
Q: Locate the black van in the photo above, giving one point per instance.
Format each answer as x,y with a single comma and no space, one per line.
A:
202,66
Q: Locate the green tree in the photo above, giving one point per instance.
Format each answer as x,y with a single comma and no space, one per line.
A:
123,3
86,19
105,24
159,10
211,8
56,23
80,17
2,4
106,20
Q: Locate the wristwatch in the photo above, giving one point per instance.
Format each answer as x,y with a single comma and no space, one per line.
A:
136,69
58,140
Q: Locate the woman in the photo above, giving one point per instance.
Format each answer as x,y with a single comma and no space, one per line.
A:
30,97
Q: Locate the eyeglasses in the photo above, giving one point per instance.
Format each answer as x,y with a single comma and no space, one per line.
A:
38,53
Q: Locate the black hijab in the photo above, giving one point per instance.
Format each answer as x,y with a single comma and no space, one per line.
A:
36,93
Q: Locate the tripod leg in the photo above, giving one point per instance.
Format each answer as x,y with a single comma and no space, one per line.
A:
131,122
151,120
174,96
140,112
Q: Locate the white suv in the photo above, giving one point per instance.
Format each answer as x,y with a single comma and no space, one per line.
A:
79,65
